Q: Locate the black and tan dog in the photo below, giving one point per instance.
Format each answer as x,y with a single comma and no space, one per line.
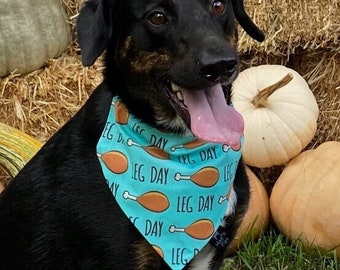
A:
171,64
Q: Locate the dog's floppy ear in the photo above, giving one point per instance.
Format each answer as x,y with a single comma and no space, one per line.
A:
245,21
94,29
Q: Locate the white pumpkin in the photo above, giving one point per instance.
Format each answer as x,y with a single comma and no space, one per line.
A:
280,114
31,31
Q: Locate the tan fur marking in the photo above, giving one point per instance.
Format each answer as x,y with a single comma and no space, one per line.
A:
146,61
123,50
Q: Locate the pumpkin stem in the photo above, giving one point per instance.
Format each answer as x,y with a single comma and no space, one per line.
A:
260,100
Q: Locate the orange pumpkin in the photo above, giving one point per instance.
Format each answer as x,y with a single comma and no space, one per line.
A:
256,218
305,199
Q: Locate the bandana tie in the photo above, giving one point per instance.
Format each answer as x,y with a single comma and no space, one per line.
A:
174,189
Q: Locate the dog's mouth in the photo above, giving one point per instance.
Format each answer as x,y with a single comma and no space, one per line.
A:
207,113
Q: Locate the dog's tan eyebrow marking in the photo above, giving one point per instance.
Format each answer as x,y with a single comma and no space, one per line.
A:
144,62
124,48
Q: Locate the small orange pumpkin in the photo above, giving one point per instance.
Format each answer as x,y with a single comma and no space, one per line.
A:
305,199
256,218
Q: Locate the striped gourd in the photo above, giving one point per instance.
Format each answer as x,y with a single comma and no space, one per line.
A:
16,149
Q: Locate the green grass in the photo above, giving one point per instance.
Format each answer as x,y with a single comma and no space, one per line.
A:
274,252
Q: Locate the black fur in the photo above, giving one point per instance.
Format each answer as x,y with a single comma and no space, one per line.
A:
59,213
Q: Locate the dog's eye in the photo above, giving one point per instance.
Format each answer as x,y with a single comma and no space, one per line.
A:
157,18
218,7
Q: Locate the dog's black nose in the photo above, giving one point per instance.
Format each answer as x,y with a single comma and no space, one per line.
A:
221,68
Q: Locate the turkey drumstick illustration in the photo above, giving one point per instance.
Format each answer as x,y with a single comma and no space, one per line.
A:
121,113
151,149
205,177
200,229
190,145
115,161
152,200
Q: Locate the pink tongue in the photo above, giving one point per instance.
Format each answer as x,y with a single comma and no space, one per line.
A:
211,118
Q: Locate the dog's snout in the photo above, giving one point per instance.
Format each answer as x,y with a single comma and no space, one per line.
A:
217,69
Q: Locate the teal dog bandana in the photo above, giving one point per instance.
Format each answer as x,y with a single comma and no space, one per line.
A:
173,189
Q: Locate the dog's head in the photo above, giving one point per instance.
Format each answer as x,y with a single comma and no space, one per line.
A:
171,61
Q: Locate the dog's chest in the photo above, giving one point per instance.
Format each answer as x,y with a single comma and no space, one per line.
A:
175,190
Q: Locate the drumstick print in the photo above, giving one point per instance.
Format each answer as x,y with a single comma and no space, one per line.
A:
151,149
153,200
200,229
121,113
115,161
226,147
226,197
205,177
190,145
158,250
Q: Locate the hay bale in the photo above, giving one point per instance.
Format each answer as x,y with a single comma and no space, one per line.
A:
72,8
293,24
40,102
321,70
